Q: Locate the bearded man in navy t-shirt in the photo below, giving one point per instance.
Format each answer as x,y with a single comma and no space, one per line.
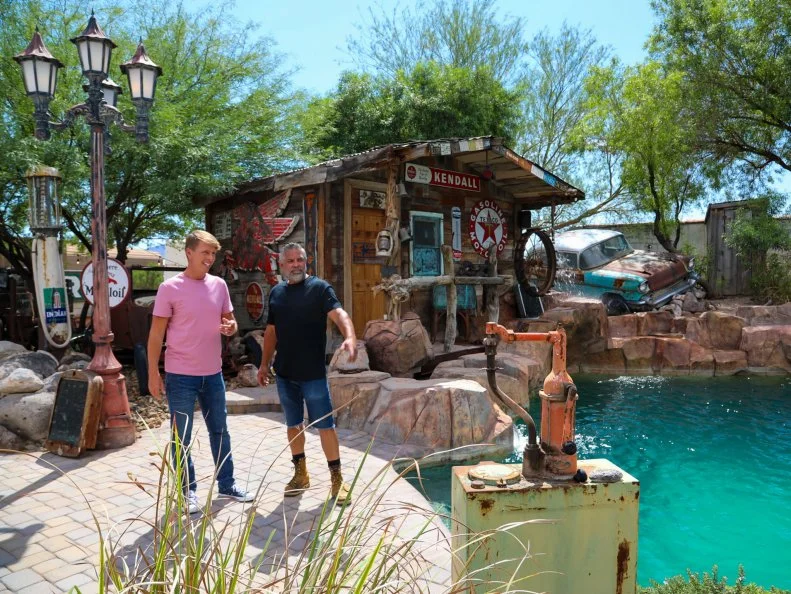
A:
297,328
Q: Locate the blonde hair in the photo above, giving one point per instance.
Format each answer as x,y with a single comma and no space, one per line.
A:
197,236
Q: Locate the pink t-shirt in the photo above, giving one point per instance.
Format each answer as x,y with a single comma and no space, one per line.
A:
195,308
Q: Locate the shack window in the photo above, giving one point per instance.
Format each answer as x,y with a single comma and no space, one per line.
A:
427,237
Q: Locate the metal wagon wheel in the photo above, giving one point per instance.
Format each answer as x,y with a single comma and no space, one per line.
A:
535,262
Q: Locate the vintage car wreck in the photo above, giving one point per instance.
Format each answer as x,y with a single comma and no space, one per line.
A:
601,264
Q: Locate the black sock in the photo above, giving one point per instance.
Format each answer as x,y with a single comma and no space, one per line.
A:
297,457
334,464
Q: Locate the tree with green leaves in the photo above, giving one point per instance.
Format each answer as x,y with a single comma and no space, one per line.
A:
429,101
222,114
457,33
736,59
640,113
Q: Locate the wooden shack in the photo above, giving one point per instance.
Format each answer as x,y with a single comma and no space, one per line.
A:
463,193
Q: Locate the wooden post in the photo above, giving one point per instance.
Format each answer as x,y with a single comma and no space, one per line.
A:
492,298
452,299
393,213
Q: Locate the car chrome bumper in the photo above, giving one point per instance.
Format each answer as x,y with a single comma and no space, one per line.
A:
661,297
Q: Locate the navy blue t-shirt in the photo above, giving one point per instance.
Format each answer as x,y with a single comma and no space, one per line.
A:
299,313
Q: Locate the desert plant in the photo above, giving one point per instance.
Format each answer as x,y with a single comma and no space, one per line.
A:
708,584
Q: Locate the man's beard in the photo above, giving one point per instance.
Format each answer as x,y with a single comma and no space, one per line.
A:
297,277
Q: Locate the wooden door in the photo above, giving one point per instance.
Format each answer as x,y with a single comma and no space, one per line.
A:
366,268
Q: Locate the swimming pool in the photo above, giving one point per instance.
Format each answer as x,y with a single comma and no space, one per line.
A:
712,456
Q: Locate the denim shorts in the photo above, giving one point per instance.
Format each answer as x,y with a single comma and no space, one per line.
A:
296,395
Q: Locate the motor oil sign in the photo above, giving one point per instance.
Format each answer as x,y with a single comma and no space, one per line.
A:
254,301
117,280
488,227
442,177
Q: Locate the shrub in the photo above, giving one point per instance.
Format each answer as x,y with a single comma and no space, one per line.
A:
708,584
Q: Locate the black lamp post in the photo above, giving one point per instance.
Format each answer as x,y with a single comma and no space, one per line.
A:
39,72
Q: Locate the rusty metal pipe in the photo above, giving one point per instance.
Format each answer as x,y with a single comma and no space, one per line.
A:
507,401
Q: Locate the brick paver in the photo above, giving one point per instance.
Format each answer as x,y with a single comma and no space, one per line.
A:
48,539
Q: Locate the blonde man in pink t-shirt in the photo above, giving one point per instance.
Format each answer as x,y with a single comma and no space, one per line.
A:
195,309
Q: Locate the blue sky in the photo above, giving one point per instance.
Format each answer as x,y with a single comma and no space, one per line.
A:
312,33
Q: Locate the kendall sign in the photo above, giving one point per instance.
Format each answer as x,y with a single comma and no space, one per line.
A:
442,177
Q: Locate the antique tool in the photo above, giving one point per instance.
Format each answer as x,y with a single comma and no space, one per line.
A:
555,456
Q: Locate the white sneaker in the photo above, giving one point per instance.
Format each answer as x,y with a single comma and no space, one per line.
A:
192,502
238,494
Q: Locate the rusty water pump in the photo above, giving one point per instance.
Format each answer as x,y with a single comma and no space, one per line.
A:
555,456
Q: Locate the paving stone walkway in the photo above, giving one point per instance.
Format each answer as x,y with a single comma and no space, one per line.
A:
48,537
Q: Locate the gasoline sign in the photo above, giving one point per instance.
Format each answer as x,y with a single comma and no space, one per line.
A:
118,282
488,227
254,301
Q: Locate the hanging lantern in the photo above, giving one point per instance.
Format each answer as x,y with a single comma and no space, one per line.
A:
384,244
44,204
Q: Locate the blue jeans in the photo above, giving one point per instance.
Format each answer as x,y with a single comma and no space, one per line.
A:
296,395
182,392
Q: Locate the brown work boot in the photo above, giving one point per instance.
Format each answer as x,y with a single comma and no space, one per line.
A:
339,490
300,481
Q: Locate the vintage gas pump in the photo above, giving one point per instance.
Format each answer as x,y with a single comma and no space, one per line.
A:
557,524
51,294
556,454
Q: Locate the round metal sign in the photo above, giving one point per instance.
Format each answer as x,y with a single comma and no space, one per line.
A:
488,227
118,282
254,301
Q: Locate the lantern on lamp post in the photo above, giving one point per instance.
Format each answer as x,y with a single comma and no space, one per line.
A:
39,72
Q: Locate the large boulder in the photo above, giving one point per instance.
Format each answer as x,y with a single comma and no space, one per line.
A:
724,330
729,362
511,386
340,360
41,362
397,347
586,325
673,355
51,382
701,360
435,416
765,315
693,329
766,346
354,395
639,354
611,361
27,415
20,381
623,326
248,376
10,440
654,323
10,348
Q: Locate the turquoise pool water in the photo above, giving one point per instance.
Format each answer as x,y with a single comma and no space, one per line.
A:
713,456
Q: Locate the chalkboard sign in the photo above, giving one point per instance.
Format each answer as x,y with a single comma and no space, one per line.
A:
75,413
66,425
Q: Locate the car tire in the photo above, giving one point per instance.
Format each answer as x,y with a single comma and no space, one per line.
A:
141,368
549,248
615,304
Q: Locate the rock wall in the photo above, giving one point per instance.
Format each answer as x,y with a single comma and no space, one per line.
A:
752,339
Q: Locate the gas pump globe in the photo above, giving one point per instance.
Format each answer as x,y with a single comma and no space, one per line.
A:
43,183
